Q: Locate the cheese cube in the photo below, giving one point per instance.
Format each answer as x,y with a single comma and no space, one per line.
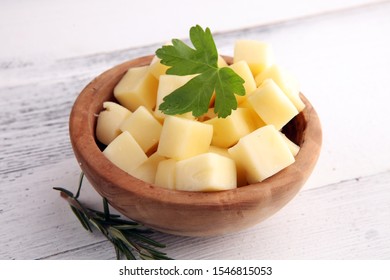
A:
207,116
206,172
221,62
287,83
272,105
183,138
125,152
294,148
240,170
143,126
166,174
255,117
227,131
187,115
157,68
109,121
242,69
147,170
168,84
138,87
258,55
263,153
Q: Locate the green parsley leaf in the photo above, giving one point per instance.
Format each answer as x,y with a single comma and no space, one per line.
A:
196,94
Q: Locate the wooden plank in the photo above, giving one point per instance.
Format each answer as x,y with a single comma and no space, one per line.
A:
340,221
37,220
328,56
327,220
43,28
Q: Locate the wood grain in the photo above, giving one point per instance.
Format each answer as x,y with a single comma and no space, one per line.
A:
332,222
341,60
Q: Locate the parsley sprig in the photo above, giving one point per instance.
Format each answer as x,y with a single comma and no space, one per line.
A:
196,94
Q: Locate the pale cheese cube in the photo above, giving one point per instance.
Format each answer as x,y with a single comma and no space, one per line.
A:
157,68
255,117
287,83
166,174
212,100
138,87
263,153
294,148
187,115
144,127
241,173
147,170
183,138
242,69
168,84
272,105
207,116
125,152
206,172
109,121
227,131
221,62
258,55
161,116
219,150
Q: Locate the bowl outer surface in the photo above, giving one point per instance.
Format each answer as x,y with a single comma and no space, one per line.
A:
181,212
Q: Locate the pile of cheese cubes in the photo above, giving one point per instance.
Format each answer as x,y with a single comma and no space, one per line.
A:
208,153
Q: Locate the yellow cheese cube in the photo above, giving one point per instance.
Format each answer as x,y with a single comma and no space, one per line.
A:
168,84
241,173
157,68
287,83
166,174
143,126
272,105
227,131
187,115
206,172
221,62
109,121
294,148
219,151
255,117
258,55
138,87
147,170
183,138
125,152
263,153
207,116
242,69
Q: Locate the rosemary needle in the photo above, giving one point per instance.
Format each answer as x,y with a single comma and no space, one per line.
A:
128,237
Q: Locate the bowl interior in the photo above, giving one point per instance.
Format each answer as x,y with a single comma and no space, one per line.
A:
182,212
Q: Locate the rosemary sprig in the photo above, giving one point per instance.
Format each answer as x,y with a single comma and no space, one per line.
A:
128,237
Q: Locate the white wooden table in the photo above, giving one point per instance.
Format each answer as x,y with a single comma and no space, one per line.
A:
340,51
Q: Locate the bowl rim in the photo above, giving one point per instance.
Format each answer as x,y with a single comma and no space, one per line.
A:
82,136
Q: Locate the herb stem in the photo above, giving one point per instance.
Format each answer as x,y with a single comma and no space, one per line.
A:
126,236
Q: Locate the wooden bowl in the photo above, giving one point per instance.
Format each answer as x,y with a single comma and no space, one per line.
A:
182,212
